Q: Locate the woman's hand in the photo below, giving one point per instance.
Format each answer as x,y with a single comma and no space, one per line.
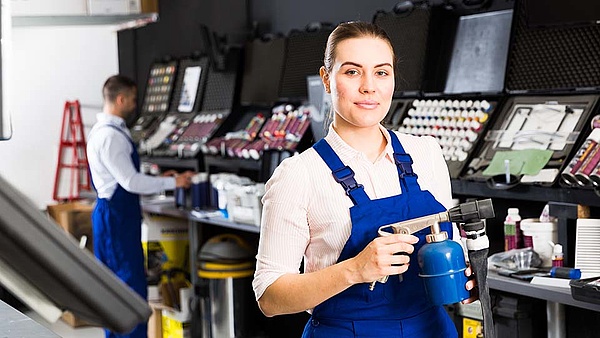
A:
471,286
380,258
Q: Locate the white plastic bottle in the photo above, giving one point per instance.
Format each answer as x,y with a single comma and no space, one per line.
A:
557,256
512,229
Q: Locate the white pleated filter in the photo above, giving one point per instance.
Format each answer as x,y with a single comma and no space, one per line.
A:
587,246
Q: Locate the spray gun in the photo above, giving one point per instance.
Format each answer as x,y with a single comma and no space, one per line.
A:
442,262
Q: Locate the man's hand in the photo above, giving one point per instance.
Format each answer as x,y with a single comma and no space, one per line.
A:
184,180
169,173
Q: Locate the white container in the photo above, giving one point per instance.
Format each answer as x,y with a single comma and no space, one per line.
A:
542,233
48,8
244,203
108,7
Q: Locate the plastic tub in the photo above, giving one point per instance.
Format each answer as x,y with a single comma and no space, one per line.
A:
542,233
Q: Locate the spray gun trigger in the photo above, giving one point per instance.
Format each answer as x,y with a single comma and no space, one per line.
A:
391,229
380,280
385,230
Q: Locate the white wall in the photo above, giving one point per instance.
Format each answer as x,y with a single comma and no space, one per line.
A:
50,65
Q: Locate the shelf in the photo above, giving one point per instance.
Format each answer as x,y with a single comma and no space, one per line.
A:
219,161
527,193
223,222
174,162
123,21
167,207
548,293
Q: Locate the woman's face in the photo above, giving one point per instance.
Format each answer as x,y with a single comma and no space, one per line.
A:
361,82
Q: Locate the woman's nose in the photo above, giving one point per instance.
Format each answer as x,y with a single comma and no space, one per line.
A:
367,84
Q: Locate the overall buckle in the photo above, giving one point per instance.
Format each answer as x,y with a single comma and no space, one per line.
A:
404,162
345,177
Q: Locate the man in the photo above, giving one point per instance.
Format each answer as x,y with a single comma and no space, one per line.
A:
114,166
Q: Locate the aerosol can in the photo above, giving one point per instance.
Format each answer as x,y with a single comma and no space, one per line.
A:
441,260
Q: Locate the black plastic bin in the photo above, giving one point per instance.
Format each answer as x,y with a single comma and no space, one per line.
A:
519,316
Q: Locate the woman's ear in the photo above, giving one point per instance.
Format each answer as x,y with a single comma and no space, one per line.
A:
325,78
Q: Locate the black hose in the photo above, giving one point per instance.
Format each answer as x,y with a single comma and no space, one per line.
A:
479,265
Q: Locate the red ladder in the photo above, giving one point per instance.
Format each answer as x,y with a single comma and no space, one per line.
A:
72,142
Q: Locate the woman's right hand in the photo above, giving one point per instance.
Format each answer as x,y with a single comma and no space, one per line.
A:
379,258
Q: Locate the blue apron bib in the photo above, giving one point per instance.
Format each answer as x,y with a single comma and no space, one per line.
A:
397,308
118,240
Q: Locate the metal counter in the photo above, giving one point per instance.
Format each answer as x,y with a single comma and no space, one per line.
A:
16,324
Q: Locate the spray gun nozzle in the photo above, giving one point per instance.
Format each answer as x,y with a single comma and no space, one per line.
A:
476,210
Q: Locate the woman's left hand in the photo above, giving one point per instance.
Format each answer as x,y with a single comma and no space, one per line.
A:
471,286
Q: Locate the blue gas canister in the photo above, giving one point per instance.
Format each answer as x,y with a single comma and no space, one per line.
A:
443,266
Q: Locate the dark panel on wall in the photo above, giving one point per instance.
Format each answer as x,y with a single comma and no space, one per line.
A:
283,16
408,33
127,59
263,66
304,57
178,34
553,58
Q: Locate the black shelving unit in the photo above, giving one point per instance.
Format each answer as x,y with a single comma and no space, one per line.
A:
549,293
563,202
195,225
258,170
229,162
524,192
194,164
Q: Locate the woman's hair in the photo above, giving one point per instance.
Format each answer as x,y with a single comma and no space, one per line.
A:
116,85
351,30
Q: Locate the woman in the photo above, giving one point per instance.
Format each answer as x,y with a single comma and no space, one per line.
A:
331,221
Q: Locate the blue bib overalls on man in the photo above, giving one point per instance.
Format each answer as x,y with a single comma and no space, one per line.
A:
118,240
398,308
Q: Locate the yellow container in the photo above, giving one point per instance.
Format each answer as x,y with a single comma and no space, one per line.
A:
175,325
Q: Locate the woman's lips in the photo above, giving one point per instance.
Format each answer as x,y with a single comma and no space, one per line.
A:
367,104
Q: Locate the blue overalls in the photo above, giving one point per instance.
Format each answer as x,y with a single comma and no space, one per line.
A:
117,235
396,308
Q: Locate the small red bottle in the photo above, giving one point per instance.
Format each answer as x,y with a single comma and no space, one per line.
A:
558,256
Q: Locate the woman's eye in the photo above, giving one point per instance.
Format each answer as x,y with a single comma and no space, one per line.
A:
382,73
351,72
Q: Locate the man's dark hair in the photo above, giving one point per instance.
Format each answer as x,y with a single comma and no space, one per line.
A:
116,85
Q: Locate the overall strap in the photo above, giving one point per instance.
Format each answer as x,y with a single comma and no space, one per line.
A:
408,178
135,157
342,173
120,131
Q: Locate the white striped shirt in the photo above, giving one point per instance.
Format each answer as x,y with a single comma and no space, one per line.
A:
306,212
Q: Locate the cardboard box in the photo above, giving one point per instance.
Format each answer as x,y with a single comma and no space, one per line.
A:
155,321
74,321
143,6
75,218
166,246
121,7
